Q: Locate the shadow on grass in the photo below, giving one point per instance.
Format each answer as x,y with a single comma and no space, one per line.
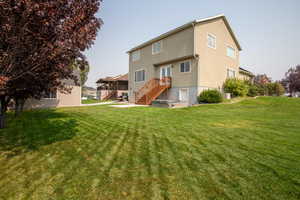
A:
34,129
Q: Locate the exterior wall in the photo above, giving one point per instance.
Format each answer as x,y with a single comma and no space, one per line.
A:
173,94
175,46
89,93
62,100
213,63
104,93
181,80
245,77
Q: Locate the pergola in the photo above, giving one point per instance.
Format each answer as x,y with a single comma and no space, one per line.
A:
113,83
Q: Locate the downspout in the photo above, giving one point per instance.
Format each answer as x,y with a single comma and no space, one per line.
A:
196,58
194,51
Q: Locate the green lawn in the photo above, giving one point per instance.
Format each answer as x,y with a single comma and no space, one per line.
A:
246,150
91,101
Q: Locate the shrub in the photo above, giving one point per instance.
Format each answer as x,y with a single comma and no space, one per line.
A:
210,96
253,91
275,89
262,89
279,89
270,89
236,87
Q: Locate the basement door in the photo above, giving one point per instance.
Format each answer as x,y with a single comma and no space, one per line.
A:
183,95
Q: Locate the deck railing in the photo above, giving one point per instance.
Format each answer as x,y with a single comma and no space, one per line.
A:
151,89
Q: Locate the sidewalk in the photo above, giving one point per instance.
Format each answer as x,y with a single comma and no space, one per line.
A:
98,104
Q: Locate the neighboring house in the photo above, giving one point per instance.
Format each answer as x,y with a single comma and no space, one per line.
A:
112,87
262,79
246,75
57,98
181,63
89,92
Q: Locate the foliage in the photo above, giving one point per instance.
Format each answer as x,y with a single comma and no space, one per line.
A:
253,90
83,71
291,82
236,87
262,89
279,89
245,150
210,96
262,79
275,89
38,42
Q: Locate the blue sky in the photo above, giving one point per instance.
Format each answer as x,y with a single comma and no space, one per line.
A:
268,31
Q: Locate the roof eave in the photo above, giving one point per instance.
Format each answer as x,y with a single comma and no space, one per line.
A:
162,36
185,26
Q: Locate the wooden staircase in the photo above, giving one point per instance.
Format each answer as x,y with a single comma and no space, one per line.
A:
151,90
112,94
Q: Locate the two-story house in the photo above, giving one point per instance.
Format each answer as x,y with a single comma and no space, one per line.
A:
180,64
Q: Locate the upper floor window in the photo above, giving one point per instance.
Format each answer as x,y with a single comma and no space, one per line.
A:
139,75
157,47
211,41
185,66
135,56
230,52
230,73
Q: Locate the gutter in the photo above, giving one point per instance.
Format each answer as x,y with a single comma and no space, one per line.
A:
195,56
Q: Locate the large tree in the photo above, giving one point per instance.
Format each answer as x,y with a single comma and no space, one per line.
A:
39,40
292,80
84,69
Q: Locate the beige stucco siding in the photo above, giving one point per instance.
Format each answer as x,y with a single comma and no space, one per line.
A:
62,100
175,46
182,79
245,77
213,63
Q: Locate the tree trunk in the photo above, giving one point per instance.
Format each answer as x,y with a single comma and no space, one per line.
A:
17,106
3,110
22,105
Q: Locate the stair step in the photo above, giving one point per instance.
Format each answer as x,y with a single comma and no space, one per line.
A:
152,89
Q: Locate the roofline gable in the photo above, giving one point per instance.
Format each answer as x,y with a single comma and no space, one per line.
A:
188,25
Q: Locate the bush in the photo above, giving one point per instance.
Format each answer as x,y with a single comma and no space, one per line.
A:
275,89
210,96
236,87
253,91
279,89
262,89
270,89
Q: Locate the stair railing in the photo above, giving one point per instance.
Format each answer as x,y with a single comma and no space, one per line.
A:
164,82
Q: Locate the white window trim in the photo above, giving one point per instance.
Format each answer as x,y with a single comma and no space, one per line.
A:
161,47
165,66
185,62
137,51
135,77
233,49
212,35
